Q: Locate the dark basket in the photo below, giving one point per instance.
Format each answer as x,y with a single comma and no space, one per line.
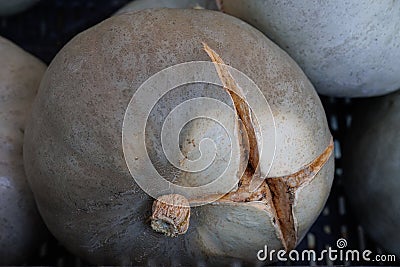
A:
44,29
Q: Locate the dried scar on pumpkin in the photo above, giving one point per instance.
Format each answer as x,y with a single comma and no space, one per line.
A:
277,193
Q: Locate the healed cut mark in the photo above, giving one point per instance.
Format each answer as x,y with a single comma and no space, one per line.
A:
277,193
243,110
308,172
283,190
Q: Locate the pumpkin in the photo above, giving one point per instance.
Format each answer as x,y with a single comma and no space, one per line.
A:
77,159
145,4
373,168
346,48
20,224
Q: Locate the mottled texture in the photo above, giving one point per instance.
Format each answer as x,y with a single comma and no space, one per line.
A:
20,224
346,48
73,150
10,7
145,4
373,169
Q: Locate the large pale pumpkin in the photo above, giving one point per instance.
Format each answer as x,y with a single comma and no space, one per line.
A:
20,224
74,156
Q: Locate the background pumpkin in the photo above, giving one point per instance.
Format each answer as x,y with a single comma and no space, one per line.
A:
145,4
20,224
346,48
373,166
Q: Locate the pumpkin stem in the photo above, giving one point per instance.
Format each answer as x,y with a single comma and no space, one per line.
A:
171,215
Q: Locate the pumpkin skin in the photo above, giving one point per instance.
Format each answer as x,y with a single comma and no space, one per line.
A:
73,153
20,224
145,4
373,169
346,48
12,7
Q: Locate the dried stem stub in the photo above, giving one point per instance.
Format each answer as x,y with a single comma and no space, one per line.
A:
171,215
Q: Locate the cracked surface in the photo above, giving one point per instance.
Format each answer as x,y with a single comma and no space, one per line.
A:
278,192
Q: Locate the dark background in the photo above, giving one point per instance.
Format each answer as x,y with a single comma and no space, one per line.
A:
45,28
